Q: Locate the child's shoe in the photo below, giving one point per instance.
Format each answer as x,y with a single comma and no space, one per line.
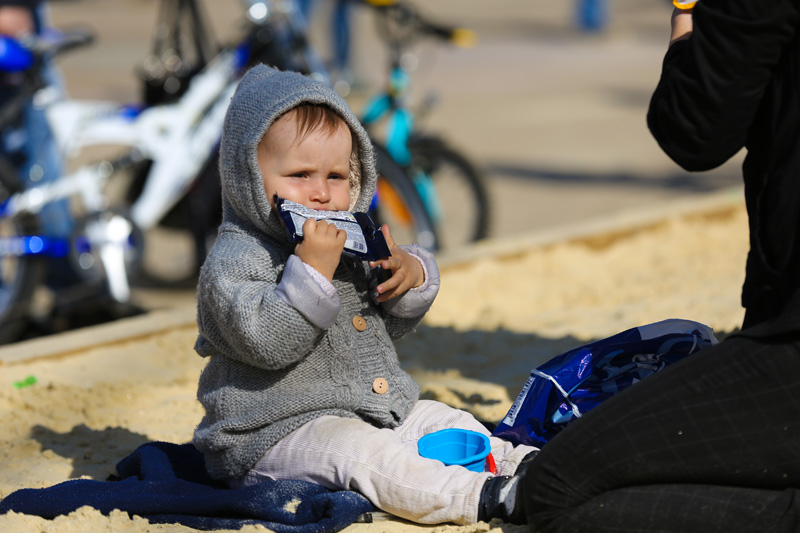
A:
501,497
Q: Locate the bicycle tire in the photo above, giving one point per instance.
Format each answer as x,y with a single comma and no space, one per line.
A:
460,189
19,274
400,206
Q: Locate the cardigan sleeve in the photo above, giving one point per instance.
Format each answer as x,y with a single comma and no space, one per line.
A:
416,302
712,83
302,287
241,314
403,314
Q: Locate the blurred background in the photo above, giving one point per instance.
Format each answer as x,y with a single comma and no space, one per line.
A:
549,102
552,112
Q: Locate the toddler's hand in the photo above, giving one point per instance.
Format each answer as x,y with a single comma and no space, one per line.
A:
406,270
321,247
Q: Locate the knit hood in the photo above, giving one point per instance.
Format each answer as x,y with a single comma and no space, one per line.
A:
263,95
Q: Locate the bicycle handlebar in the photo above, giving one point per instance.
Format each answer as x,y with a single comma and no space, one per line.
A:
407,15
440,31
59,41
54,43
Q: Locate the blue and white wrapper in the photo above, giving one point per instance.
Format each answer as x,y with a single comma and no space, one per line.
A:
364,239
575,382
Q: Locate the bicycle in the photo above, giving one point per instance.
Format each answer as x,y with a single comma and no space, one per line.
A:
102,240
174,142
453,190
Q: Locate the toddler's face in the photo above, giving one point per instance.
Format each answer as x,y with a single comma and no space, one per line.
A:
313,171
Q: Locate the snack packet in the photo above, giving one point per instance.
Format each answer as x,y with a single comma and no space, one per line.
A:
364,239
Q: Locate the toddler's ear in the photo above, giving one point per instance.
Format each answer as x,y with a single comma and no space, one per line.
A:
355,178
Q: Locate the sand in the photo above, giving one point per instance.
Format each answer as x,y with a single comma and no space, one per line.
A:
495,319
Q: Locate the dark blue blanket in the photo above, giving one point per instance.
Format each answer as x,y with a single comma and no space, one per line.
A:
168,483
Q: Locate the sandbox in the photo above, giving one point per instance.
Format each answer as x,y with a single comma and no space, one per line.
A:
504,307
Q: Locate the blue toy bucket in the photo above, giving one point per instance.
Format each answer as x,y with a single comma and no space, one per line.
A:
456,447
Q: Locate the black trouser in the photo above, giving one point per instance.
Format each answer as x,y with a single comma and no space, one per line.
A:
709,444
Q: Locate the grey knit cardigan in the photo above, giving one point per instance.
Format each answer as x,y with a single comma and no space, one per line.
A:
281,352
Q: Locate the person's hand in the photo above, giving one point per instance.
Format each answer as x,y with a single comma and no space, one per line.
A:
321,247
682,25
405,269
15,21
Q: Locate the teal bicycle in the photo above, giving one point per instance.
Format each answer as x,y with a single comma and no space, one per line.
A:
452,189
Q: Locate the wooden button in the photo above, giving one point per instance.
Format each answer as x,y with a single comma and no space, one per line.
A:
380,385
359,323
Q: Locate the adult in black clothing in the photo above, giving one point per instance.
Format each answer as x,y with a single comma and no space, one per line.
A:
733,83
711,443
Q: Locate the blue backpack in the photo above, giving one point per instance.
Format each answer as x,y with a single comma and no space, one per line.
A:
571,384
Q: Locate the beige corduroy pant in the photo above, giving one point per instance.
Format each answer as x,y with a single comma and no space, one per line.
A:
384,465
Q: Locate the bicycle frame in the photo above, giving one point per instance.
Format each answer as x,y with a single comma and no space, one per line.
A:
390,105
177,137
108,238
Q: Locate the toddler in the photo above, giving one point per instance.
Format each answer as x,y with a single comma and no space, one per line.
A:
302,380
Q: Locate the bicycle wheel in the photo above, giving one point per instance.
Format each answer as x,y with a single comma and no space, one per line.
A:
400,206
454,192
19,273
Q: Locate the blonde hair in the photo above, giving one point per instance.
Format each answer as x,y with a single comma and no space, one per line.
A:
318,117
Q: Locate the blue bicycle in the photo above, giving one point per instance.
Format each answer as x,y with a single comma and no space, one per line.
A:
86,264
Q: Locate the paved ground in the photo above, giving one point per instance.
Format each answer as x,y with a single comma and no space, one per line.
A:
556,117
